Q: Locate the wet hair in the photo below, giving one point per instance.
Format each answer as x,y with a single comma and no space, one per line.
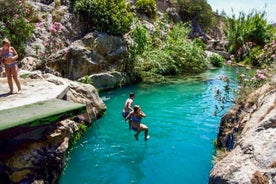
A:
131,95
136,108
6,41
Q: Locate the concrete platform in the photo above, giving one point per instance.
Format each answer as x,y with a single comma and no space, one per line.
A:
33,91
39,113
40,103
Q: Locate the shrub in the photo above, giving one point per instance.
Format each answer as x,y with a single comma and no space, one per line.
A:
138,45
249,81
216,60
268,53
111,16
52,43
200,43
176,55
140,41
147,7
86,80
254,55
248,28
199,10
15,16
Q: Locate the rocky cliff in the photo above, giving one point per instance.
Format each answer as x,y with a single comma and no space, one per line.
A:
96,56
37,154
88,52
246,141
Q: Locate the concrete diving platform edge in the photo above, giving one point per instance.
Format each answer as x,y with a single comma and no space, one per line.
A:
39,113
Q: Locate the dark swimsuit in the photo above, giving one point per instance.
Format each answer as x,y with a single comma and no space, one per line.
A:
135,120
125,114
7,55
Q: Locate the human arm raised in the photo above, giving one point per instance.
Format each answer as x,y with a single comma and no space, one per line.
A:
142,114
15,57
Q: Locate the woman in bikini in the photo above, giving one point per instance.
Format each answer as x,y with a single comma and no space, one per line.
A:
136,117
9,56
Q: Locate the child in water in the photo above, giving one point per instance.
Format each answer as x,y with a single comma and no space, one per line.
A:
136,117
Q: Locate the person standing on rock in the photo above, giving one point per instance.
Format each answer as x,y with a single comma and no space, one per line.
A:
9,56
128,107
136,117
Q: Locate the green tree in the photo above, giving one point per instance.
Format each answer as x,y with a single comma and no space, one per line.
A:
111,16
147,7
199,10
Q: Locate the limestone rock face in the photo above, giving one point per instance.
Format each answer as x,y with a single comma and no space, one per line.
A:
42,160
249,131
29,63
94,53
83,52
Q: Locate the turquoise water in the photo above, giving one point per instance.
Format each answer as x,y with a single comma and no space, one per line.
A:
182,128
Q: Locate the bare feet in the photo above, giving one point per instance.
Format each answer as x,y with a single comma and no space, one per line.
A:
19,92
10,93
147,138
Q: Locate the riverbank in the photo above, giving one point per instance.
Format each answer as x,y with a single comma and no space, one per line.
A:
46,121
246,140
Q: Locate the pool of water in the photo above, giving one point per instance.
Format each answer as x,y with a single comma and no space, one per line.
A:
182,129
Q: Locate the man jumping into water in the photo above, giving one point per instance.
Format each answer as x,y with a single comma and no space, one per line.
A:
128,107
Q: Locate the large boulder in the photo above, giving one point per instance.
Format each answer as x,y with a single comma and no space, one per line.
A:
94,53
112,48
29,64
108,80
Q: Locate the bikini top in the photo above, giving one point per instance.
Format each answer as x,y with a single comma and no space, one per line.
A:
7,55
136,119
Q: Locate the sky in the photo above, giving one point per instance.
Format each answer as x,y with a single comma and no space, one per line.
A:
246,6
